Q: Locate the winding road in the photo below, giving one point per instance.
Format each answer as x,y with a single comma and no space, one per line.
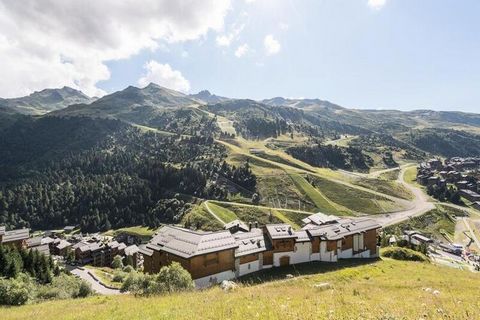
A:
96,285
420,204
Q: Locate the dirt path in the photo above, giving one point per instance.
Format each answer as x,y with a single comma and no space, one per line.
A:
213,213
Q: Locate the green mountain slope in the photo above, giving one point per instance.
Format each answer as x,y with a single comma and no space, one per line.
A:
45,101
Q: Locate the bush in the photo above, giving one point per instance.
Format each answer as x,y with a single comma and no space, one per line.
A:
119,276
172,278
128,269
16,292
117,262
64,287
399,253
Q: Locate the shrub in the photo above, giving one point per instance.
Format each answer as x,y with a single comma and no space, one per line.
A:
119,276
399,253
117,262
15,292
128,269
64,287
172,278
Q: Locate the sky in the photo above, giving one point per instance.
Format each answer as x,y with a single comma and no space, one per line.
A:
375,54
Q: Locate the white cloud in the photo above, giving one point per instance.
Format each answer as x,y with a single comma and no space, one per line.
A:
283,26
164,75
242,50
272,46
376,4
57,42
226,39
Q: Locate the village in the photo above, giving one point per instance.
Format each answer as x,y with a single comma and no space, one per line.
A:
212,257
458,174
238,250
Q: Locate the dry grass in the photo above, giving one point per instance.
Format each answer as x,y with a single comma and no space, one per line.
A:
385,289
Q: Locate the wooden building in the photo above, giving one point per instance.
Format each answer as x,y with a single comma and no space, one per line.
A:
16,238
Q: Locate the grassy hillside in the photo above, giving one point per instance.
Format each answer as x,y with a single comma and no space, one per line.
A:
386,289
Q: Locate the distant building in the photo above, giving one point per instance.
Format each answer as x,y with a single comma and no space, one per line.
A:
470,195
16,238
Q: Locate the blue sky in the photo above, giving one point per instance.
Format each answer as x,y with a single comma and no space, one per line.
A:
384,54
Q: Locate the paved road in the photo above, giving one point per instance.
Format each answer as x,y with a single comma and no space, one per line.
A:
96,286
420,205
474,236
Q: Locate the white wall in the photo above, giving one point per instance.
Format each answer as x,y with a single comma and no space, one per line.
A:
249,267
301,254
214,279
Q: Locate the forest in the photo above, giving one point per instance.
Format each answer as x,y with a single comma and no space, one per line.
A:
103,174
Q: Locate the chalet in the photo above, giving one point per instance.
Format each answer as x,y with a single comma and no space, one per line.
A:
132,251
208,256
35,243
16,238
62,247
346,239
211,257
249,256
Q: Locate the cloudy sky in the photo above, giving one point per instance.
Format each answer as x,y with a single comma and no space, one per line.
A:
403,54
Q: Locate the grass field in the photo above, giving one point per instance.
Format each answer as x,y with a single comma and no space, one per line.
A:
223,213
354,199
385,289
140,231
105,275
410,175
199,218
320,201
384,186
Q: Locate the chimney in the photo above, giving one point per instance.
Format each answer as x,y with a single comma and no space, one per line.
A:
289,230
250,226
256,224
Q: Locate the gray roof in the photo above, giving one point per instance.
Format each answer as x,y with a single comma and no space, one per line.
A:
16,235
188,243
236,223
145,251
131,250
34,242
63,244
122,246
280,231
2,230
320,218
302,236
80,245
47,240
343,228
44,249
250,242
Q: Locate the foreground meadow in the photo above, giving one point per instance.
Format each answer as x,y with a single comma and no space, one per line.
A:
384,289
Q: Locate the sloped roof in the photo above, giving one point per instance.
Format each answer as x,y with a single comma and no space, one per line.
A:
250,242
47,240
16,235
34,242
302,236
280,231
63,244
145,251
343,228
188,243
2,230
236,223
131,250
320,218
44,249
